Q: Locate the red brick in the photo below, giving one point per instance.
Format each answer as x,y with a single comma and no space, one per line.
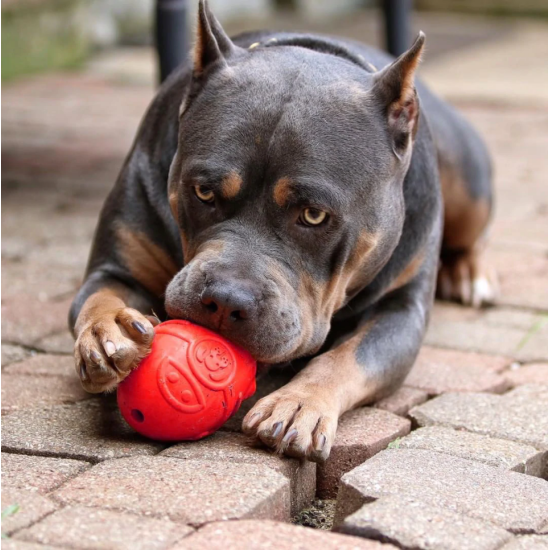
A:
186,491
402,400
534,373
38,473
91,528
438,371
25,320
236,535
235,447
32,507
361,434
12,353
25,392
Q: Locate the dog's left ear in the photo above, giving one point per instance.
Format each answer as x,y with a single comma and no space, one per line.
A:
213,45
394,86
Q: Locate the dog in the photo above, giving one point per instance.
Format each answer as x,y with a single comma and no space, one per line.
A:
303,196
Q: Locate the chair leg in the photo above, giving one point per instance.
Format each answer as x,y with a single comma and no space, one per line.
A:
171,35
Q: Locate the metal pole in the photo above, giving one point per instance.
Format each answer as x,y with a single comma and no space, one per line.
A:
397,18
170,35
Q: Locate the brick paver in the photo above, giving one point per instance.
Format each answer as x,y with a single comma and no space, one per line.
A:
409,523
248,535
500,331
501,453
187,491
519,415
60,342
402,400
38,473
438,371
25,320
11,544
11,353
361,434
91,430
513,501
91,528
25,392
533,373
235,447
31,508
41,364
528,542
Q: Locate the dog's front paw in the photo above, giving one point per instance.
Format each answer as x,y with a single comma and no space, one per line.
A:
296,422
110,346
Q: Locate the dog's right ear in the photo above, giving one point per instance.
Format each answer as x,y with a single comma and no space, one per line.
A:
213,45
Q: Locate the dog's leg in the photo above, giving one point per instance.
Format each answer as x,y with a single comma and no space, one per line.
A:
301,418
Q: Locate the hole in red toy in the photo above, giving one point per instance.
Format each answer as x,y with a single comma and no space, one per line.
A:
137,415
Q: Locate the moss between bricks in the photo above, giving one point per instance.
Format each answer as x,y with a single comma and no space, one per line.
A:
47,35
320,515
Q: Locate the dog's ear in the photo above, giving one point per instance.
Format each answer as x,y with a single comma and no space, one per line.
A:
394,86
212,45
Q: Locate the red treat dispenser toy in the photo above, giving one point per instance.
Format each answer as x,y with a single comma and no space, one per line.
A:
190,384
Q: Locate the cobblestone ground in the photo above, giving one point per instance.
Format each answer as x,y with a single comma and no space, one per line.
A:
457,458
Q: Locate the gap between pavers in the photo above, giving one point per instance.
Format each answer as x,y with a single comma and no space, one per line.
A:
237,448
513,501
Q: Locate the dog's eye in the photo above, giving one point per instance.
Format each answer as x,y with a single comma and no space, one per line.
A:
313,216
204,194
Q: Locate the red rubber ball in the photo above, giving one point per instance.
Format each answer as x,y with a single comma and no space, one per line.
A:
190,384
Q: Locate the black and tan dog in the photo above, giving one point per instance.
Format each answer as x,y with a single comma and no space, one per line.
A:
287,194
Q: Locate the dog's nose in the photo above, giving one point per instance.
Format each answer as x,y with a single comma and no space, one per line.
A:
229,302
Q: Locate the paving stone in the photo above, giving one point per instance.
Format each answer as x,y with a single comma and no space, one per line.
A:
528,542
501,453
510,500
534,373
42,364
498,331
11,544
238,535
361,434
187,491
522,275
38,473
11,353
519,415
438,371
25,392
61,342
91,430
25,320
409,523
235,447
32,507
402,400
90,528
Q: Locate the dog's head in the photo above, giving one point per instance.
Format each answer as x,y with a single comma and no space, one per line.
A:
287,186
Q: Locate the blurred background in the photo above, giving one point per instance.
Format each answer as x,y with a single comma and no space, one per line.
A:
77,78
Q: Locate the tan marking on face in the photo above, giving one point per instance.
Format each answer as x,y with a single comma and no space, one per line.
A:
409,272
231,185
465,218
173,202
282,190
148,263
